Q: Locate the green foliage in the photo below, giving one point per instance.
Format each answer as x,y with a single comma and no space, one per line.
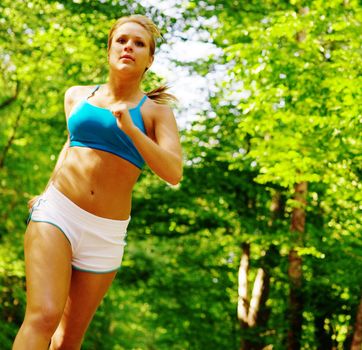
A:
287,111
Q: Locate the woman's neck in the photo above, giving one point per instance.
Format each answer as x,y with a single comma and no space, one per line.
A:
124,88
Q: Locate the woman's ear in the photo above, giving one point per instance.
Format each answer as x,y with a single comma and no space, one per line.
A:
150,63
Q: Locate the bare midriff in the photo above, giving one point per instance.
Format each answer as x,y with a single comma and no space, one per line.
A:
98,182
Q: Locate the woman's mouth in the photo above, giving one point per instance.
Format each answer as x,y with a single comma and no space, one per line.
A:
129,57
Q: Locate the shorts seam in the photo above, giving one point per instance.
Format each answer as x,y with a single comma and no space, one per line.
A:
92,271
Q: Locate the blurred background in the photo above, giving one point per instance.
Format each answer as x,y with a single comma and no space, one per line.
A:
259,247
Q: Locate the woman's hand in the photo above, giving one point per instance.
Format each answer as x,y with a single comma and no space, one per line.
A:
32,201
124,120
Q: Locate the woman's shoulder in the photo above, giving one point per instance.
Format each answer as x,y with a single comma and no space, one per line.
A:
78,91
74,94
158,110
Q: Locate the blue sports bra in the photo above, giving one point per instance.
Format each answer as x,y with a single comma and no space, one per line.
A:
96,127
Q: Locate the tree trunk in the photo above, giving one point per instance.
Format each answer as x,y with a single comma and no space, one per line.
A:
295,301
295,269
250,312
256,297
276,208
243,303
357,336
295,261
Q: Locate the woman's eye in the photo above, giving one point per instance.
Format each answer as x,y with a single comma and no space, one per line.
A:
124,41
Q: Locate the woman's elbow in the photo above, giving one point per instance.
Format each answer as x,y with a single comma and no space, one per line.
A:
174,181
176,177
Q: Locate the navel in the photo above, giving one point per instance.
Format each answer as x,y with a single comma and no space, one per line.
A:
92,192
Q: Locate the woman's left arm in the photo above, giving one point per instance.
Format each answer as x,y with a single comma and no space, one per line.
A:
164,155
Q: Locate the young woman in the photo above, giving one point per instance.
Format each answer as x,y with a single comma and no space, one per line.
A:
76,233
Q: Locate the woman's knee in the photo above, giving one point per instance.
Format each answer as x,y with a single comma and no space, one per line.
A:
44,319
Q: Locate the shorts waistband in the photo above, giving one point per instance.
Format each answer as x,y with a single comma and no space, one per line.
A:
70,208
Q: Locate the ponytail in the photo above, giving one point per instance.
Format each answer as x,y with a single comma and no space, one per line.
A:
159,95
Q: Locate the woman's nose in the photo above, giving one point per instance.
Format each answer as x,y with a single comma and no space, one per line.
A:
128,46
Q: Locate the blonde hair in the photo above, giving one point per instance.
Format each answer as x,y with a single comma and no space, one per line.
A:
159,94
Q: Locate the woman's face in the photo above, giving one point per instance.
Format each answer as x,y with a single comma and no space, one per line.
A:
130,48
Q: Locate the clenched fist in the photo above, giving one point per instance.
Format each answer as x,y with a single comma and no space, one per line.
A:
124,120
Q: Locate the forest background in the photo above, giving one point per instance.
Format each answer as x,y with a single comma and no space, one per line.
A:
259,247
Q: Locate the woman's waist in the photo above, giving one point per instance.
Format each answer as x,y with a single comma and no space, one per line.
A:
57,201
99,194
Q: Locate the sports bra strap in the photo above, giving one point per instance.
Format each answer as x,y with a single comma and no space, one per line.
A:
93,91
142,101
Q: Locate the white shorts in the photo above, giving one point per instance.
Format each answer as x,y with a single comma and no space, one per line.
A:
97,243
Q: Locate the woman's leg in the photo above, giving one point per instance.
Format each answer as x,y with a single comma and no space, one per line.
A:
86,292
48,271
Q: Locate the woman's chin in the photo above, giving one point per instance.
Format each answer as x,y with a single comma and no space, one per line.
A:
124,68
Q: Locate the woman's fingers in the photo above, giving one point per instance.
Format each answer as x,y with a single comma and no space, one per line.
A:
32,201
124,120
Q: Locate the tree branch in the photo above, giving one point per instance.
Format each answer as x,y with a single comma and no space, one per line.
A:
11,138
13,98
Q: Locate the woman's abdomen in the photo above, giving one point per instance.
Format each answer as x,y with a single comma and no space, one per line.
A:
98,182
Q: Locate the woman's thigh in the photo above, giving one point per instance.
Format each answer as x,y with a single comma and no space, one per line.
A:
86,293
48,268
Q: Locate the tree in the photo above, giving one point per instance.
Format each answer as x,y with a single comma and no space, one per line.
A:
281,118
293,120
